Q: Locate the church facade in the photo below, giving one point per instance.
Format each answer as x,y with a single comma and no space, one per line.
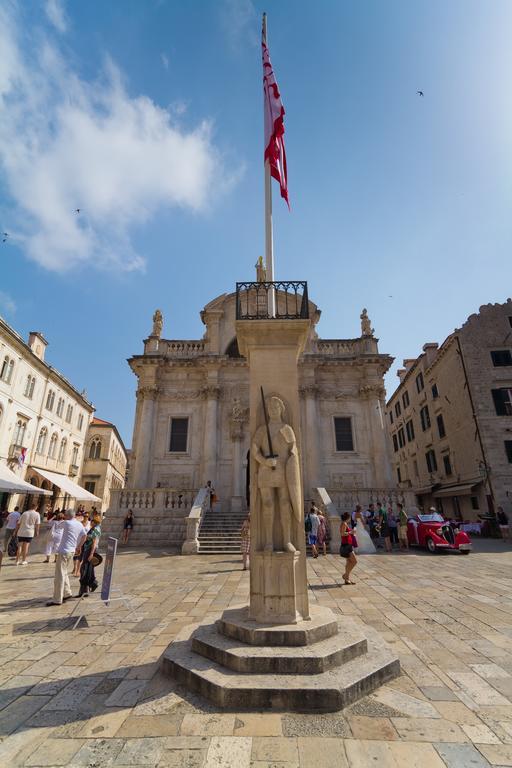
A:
191,419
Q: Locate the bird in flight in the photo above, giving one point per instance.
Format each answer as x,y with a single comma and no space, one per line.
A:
5,236
77,210
420,93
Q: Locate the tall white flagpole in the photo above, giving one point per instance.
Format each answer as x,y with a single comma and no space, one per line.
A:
269,239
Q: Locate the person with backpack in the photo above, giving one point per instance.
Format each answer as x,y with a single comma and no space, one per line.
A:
10,527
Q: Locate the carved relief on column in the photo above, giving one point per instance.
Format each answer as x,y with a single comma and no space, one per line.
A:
147,393
309,390
238,418
211,392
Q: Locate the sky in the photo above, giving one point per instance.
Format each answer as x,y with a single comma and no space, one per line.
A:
147,116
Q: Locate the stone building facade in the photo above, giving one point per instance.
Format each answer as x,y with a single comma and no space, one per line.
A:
191,420
450,419
43,418
105,459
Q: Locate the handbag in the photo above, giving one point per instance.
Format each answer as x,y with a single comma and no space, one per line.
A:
345,550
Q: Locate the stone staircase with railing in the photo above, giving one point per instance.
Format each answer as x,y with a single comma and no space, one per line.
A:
219,533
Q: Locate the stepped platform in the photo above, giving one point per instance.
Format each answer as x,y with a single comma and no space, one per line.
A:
219,533
323,664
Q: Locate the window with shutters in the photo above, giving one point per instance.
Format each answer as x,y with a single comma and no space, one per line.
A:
395,443
447,465
409,428
425,418
405,399
502,401
398,475
179,435
391,416
401,438
435,392
419,382
343,433
90,485
501,357
398,410
440,426
431,460
508,450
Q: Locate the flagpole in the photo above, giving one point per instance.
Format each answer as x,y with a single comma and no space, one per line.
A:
269,239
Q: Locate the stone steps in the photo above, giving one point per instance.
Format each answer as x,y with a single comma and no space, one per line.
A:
220,532
323,675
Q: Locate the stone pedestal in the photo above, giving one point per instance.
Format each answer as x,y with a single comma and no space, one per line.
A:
278,593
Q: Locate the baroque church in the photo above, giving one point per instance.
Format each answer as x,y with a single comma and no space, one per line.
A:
191,420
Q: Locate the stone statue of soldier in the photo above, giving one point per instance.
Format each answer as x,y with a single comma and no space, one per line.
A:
278,480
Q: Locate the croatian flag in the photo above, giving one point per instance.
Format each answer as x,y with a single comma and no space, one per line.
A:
274,124
21,457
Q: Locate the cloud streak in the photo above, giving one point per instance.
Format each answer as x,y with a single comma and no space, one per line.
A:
66,143
56,14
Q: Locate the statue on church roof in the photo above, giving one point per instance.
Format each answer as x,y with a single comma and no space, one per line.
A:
261,272
366,326
158,322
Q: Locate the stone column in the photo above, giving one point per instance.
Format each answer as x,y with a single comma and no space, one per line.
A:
236,426
144,448
278,588
374,395
312,465
212,393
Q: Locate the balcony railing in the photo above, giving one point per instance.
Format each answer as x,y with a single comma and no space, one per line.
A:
291,300
73,470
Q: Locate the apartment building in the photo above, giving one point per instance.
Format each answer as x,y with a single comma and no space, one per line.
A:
450,419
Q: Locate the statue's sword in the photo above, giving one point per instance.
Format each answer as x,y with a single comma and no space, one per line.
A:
271,454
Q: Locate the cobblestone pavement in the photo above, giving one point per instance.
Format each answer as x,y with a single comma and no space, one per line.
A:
94,696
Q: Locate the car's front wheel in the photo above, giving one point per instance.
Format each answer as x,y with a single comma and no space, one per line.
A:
431,546
464,551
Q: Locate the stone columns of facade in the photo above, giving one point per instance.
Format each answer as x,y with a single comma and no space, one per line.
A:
238,419
144,447
379,440
311,460
212,393
278,583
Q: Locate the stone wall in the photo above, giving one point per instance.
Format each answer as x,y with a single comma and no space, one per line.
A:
160,516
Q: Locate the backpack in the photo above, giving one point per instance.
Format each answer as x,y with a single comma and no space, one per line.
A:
307,524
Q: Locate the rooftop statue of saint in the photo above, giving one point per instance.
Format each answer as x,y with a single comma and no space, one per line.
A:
366,326
261,272
158,322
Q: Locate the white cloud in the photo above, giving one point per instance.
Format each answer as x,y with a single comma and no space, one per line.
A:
57,15
7,304
66,144
165,60
240,22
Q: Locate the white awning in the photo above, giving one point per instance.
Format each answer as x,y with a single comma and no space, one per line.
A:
67,485
11,483
454,490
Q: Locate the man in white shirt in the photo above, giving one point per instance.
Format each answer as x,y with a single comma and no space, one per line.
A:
10,526
73,536
26,528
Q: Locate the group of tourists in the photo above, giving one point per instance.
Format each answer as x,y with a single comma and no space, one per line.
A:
72,538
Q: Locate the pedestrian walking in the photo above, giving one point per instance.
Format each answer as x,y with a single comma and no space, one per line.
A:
90,558
54,536
322,532
73,535
245,546
128,526
402,527
26,528
383,526
10,526
393,527
347,548
313,534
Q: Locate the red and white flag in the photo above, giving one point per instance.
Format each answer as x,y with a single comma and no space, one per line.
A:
274,124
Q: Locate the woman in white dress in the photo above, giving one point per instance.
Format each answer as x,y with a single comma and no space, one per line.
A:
365,545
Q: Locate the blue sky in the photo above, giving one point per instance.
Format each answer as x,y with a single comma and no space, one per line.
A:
147,116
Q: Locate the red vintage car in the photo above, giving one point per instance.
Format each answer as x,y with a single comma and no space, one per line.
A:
432,531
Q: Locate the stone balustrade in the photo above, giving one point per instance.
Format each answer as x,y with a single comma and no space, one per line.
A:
346,347
346,499
199,507
182,349
160,515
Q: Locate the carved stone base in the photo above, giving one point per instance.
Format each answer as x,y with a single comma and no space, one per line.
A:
277,592
323,664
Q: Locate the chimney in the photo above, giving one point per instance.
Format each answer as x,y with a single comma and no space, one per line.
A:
401,374
37,343
409,362
430,351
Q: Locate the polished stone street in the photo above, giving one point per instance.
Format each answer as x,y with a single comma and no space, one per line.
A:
94,696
